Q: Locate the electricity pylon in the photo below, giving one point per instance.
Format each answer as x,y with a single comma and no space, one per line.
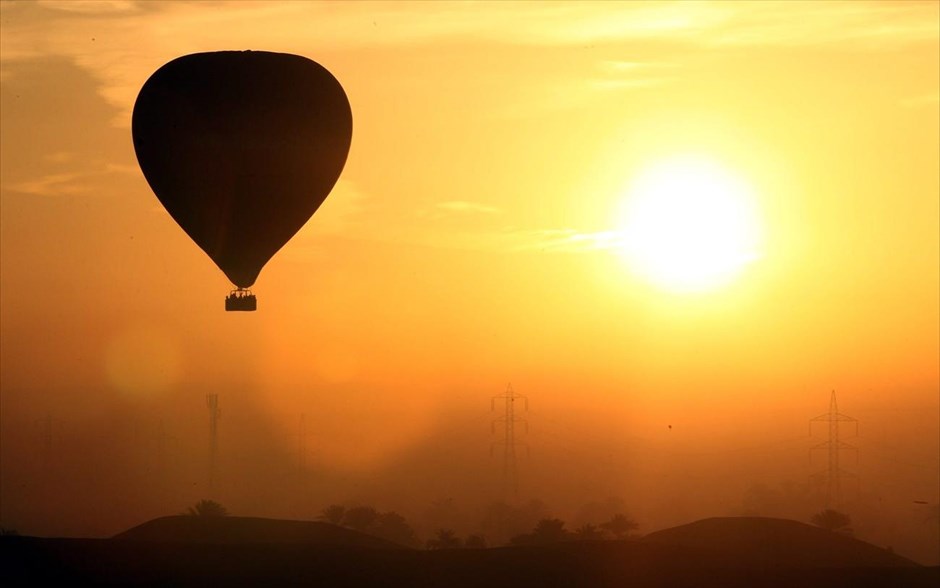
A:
834,445
509,443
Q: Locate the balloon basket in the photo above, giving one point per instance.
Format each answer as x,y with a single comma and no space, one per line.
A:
241,300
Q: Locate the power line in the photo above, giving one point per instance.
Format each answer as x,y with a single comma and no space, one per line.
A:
833,446
508,442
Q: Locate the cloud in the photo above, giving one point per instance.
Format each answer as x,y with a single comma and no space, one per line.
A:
612,66
927,99
560,91
59,157
457,215
362,24
463,206
627,84
518,240
62,184
615,74
122,42
344,213
71,183
858,25
95,7
341,212
560,240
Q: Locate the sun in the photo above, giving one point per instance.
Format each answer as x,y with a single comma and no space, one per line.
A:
689,225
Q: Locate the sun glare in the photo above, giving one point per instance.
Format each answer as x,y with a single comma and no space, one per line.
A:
689,225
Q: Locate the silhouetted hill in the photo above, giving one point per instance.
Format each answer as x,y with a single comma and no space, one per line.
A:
766,542
180,551
228,530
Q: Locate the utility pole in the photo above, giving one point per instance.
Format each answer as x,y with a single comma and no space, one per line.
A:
509,443
212,401
834,473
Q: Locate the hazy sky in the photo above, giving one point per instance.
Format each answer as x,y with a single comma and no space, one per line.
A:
478,235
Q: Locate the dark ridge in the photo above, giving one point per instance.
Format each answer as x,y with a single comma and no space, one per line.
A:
30,561
250,530
767,542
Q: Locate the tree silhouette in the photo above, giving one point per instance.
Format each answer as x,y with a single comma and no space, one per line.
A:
620,526
366,519
360,518
207,508
334,514
832,520
502,520
445,539
475,542
589,532
392,526
545,531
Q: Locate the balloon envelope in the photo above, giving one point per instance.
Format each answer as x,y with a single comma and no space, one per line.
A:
241,148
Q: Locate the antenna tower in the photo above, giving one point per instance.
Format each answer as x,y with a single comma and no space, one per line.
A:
508,442
834,473
212,401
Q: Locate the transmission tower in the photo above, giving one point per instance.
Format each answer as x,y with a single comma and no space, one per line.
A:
212,401
833,446
508,442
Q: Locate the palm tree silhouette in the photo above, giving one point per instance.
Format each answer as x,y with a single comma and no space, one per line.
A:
832,520
620,526
207,508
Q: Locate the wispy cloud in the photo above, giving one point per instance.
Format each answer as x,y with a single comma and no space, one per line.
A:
95,7
615,67
463,206
71,183
59,157
131,39
627,84
558,240
626,75
860,25
520,240
921,100
341,212
556,23
62,184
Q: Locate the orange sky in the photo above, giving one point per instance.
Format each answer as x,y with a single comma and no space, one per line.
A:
464,247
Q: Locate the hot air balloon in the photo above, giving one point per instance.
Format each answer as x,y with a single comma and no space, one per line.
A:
241,148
